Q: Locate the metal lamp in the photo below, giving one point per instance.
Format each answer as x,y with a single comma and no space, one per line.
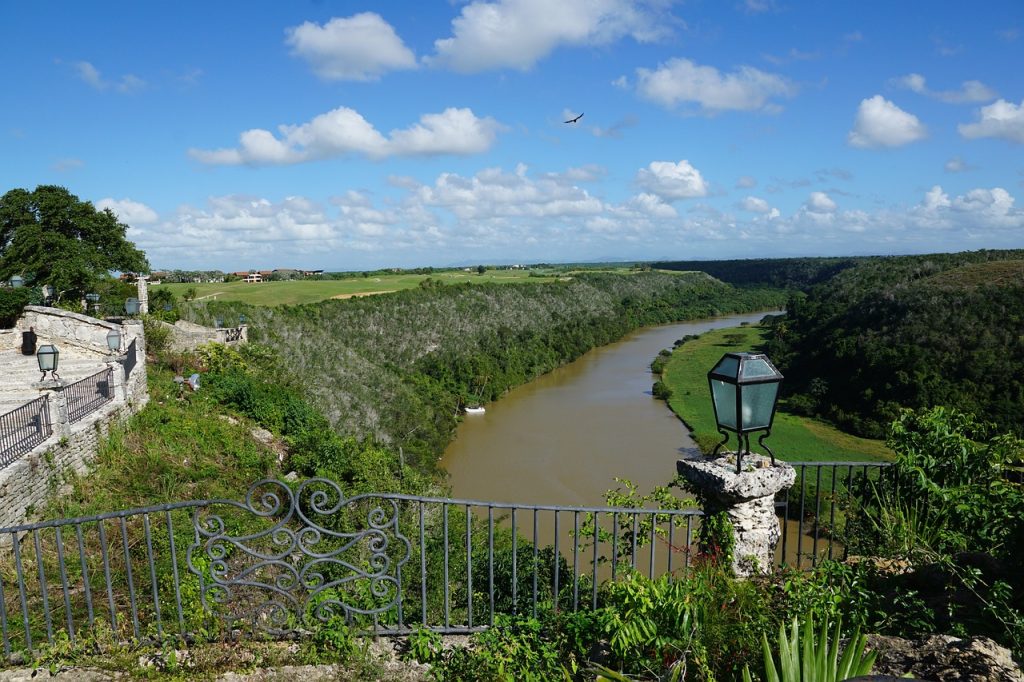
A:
218,322
131,306
242,319
744,392
47,357
94,299
17,282
114,340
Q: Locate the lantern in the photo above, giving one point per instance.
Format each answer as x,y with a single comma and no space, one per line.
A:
744,392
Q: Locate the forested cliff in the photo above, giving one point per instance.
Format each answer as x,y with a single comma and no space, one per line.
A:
910,331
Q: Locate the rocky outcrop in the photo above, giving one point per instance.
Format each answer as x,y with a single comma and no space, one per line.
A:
944,659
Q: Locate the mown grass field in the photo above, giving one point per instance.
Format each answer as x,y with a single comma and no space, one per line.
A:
794,438
312,290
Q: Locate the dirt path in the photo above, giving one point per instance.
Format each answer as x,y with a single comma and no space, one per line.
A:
365,293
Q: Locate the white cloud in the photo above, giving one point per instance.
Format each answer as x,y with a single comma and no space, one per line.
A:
978,209
992,206
67,164
755,205
493,193
517,34
91,75
672,181
746,182
759,6
970,91
681,81
361,47
503,215
819,202
344,131
880,123
1000,119
935,199
956,165
130,212
652,205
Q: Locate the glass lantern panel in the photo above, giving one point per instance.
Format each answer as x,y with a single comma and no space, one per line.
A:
758,401
728,366
724,395
47,358
757,368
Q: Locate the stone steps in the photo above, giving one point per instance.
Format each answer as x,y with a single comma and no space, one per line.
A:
20,372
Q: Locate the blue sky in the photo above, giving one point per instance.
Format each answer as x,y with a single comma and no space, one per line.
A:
345,135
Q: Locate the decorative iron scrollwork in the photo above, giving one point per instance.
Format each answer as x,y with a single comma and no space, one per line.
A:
311,557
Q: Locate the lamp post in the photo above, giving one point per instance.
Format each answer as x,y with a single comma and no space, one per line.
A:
47,357
114,340
744,392
94,299
131,306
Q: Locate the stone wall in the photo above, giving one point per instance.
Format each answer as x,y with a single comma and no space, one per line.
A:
28,482
63,327
187,336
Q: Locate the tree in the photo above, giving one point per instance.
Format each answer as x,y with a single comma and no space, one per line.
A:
50,236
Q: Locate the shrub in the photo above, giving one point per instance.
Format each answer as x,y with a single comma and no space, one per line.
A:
157,335
661,391
12,303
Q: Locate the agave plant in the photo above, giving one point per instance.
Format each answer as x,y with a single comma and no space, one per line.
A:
816,659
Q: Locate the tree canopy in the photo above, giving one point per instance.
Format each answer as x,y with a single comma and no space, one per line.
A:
50,236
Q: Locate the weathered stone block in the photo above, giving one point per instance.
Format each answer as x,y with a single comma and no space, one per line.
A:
748,498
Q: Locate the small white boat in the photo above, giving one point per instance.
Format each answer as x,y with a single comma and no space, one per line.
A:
475,410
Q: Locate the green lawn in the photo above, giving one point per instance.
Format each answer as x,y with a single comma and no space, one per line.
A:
312,290
796,439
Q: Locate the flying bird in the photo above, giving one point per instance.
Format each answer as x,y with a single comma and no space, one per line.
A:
573,120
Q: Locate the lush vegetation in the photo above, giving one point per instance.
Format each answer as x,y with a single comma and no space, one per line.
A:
398,368
794,437
913,331
50,236
788,273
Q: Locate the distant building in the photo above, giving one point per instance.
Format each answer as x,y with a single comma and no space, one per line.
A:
253,277
312,273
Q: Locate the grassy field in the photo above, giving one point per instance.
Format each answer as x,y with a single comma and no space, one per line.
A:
794,438
313,290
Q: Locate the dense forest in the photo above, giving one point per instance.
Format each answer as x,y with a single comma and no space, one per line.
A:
910,331
397,368
788,273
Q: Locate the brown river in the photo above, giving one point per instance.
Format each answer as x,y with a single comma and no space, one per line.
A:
563,438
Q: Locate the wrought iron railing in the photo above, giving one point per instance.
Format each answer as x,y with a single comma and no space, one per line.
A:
293,554
814,512
290,555
23,428
232,334
89,394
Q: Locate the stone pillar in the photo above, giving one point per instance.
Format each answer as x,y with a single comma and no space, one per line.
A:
143,288
749,500
60,420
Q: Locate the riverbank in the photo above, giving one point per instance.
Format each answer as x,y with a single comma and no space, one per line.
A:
794,438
